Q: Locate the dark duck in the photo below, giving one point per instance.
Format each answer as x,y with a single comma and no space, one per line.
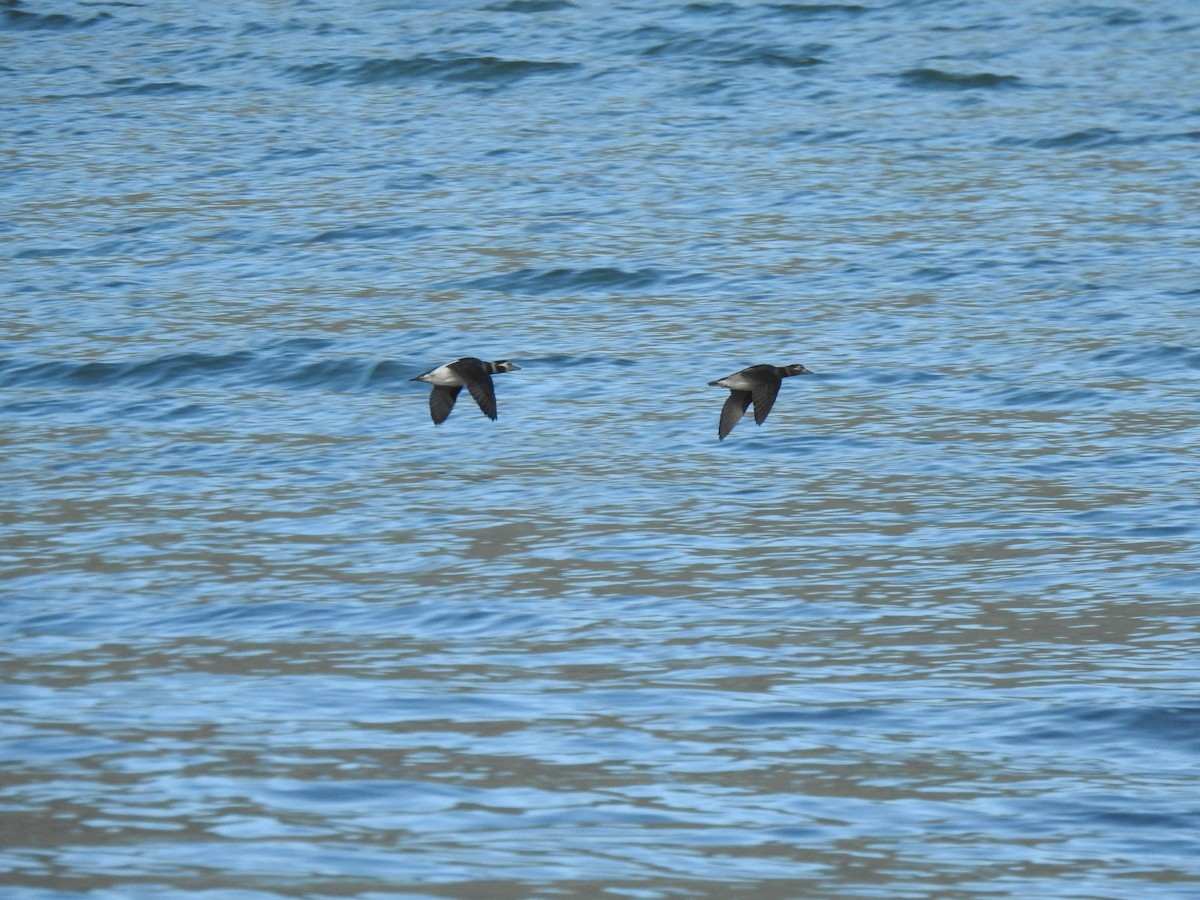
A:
473,374
758,385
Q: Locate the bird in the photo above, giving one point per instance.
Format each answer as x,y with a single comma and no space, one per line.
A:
758,385
473,374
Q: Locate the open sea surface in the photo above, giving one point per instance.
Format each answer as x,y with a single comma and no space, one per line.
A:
931,631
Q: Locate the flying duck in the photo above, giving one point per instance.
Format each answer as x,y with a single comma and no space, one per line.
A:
758,385
473,374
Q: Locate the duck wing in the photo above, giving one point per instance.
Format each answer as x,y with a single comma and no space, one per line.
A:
441,401
484,391
732,412
764,399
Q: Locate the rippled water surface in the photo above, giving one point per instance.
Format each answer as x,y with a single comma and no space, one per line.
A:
930,631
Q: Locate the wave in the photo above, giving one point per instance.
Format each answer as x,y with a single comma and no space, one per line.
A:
1170,727
817,10
468,69
893,376
529,6
1153,358
368,233
936,79
293,368
732,53
832,136
564,280
1090,137
1053,397
172,368
1093,138
45,252
571,361
934,273
15,19
134,88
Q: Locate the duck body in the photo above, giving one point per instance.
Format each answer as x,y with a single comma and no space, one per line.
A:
756,384
473,374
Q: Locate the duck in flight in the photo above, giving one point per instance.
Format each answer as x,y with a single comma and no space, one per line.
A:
473,374
758,385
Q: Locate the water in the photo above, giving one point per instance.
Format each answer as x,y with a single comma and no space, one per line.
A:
930,631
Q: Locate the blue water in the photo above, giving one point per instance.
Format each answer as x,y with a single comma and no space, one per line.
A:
930,631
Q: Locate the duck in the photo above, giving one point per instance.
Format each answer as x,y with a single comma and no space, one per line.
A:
473,374
756,384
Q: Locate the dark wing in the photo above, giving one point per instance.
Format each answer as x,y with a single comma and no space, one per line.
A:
764,399
484,392
732,412
441,401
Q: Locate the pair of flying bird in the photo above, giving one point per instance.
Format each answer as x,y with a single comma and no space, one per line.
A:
757,384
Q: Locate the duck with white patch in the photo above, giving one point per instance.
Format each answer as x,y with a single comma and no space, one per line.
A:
758,385
473,374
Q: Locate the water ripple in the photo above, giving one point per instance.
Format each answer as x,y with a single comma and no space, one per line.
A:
450,69
936,79
928,630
